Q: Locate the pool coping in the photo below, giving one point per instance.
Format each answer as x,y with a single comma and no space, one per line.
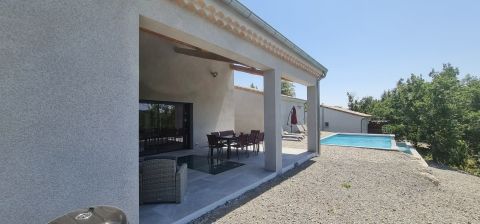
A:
416,154
393,146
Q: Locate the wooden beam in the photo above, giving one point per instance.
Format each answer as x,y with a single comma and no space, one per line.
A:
203,54
197,52
288,80
168,38
246,69
252,71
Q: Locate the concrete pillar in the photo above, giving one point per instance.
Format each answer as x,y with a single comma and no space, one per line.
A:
272,121
312,119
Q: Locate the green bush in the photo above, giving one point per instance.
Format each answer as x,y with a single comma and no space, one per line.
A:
444,113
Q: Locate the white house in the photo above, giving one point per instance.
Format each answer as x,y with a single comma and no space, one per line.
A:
78,78
338,119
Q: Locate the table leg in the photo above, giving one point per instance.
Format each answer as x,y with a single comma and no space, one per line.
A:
228,149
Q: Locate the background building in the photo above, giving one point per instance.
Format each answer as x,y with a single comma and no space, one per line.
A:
338,119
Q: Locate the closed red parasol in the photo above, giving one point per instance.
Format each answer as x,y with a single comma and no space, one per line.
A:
293,118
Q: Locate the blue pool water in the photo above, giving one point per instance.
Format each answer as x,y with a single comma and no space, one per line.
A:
404,148
366,141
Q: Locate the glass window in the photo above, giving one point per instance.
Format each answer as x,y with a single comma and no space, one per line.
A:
163,127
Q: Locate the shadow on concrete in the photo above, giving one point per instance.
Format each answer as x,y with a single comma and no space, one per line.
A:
231,205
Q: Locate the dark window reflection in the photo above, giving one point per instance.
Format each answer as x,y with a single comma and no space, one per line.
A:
163,127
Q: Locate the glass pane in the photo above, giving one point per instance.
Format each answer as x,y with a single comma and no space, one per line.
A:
162,127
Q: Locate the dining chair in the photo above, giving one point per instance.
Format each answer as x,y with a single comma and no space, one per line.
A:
254,134
214,143
260,140
242,144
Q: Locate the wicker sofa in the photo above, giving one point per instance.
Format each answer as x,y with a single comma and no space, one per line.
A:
161,180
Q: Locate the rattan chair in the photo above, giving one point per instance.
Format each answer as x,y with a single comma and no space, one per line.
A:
162,181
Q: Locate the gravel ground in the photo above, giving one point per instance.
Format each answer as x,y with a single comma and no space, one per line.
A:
347,185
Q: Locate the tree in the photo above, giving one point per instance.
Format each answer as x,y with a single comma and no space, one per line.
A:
365,105
253,86
409,107
444,113
287,88
471,88
444,121
352,102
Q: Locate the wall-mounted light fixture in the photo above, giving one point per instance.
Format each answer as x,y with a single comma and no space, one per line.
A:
214,74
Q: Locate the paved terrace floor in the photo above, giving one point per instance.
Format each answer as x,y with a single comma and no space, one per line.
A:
206,191
351,185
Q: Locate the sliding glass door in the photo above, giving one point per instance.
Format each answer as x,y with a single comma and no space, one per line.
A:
164,127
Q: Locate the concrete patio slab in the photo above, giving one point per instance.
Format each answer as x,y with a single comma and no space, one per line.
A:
206,191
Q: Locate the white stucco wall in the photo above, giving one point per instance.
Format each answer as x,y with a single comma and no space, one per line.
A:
339,121
169,76
286,105
249,110
69,114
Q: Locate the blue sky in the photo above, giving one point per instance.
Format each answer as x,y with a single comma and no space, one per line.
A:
368,45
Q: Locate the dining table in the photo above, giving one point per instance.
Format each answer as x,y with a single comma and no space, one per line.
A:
229,139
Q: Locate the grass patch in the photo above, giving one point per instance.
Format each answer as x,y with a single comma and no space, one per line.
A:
471,166
425,153
346,185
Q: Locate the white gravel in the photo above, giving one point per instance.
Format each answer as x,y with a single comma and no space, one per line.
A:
348,185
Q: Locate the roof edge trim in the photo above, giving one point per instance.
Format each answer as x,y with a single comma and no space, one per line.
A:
247,13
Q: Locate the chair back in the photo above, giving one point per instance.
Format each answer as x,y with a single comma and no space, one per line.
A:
254,136
243,139
261,136
212,141
216,133
226,133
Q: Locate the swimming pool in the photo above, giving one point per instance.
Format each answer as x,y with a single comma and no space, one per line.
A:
403,147
385,142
